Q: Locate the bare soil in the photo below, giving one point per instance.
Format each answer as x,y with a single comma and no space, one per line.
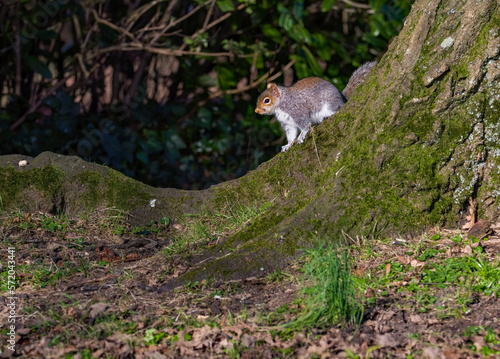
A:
98,295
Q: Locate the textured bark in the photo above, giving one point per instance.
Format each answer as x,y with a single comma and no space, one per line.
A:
416,146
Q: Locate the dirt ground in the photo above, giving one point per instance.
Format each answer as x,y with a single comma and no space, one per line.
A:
96,294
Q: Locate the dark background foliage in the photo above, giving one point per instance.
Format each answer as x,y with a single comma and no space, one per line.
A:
164,91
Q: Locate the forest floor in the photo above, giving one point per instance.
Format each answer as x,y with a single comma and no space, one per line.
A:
92,288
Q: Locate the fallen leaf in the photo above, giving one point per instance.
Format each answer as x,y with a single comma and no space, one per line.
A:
248,341
478,341
467,250
471,217
432,353
97,309
416,263
386,340
415,318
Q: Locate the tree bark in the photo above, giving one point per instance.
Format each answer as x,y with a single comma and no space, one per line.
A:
416,146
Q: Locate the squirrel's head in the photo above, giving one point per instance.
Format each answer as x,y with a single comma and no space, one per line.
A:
268,100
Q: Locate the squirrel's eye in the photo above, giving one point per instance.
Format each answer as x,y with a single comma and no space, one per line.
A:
267,100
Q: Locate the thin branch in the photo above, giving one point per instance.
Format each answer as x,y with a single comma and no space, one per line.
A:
82,65
357,4
217,21
49,92
19,79
285,68
111,25
146,57
162,51
179,20
237,90
35,107
315,147
89,34
168,13
253,68
209,15
141,11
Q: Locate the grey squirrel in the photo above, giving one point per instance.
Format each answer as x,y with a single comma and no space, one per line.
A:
307,102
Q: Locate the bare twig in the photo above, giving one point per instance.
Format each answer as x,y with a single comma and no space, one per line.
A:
141,11
19,79
253,68
82,65
217,21
279,73
113,26
3,11
178,21
87,37
88,281
138,76
38,103
237,90
356,4
168,13
315,147
209,15
162,51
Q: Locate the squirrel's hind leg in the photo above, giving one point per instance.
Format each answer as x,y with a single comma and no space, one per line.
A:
304,133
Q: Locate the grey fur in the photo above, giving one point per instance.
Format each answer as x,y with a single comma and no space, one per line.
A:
306,103
305,106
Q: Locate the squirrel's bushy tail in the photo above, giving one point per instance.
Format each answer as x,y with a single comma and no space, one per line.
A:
357,78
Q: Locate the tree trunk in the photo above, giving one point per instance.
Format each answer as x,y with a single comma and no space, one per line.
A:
416,146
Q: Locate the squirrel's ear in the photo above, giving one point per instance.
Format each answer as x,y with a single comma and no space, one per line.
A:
273,89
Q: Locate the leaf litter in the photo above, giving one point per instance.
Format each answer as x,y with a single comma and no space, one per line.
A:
83,308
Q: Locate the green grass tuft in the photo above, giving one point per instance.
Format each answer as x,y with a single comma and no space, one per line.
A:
329,289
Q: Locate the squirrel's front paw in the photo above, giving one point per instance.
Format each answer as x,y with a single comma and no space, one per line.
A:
286,147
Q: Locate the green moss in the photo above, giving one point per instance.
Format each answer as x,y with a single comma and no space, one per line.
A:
47,181
124,192
93,182
114,190
13,183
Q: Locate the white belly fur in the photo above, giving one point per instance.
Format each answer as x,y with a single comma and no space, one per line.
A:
324,112
285,119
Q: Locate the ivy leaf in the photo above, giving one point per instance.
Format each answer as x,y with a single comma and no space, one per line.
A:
376,4
311,61
302,70
143,157
327,5
225,5
207,81
298,9
302,34
46,34
226,77
38,66
286,20
272,32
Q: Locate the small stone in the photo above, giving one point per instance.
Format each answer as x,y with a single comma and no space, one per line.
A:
447,43
23,163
